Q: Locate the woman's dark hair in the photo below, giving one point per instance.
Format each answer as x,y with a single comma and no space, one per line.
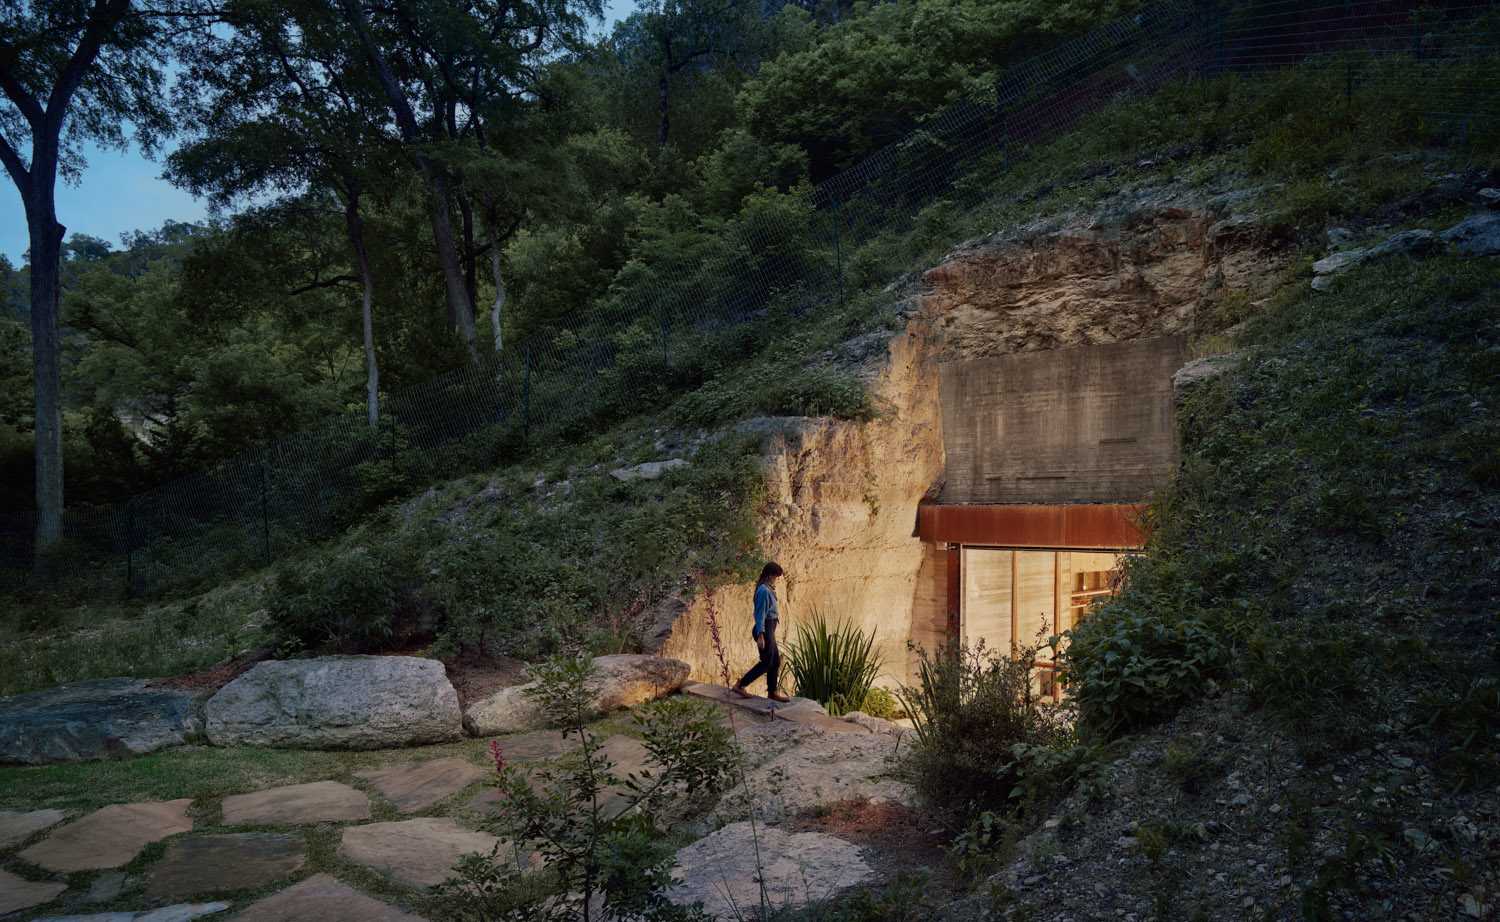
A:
770,571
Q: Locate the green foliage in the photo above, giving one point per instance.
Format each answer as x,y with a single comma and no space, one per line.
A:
580,572
1132,663
834,664
1467,723
882,703
348,600
985,842
596,847
985,736
1323,482
873,75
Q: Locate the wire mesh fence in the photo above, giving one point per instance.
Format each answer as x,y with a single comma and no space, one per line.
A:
264,504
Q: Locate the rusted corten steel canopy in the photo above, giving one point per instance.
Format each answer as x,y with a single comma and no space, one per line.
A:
1104,526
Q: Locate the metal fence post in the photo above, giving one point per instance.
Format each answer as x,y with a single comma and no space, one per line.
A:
129,548
265,518
526,396
838,245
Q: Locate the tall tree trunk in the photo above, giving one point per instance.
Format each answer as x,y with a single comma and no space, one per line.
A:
663,108
37,183
356,229
46,253
460,305
499,304
470,251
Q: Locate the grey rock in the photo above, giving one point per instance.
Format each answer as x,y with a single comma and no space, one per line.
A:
623,681
17,893
108,718
1476,235
651,470
106,887
16,827
337,702
1409,243
873,724
1339,237
1490,197
1200,370
720,870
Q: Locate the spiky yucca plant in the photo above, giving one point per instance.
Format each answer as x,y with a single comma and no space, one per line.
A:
834,664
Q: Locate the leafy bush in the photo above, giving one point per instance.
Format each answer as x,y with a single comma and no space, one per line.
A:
985,735
883,703
835,665
1131,664
595,850
347,599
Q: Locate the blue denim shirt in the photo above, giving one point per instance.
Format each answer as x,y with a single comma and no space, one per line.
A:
765,608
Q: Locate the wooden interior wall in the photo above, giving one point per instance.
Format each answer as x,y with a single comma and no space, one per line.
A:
1013,598
930,627
987,597
1035,596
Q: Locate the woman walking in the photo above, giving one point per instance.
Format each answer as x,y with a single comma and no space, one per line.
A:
766,619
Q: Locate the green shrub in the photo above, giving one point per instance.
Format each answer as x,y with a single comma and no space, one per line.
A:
985,735
1129,664
347,600
597,849
883,703
835,665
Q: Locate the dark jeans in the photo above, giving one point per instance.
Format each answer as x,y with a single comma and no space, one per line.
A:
770,662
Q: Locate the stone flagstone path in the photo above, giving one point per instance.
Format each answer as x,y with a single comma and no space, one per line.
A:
110,836
17,893
16,827
183,913
198,865
419,852
322,898
298,804
415,786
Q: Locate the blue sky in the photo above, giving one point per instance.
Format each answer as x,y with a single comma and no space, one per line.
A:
122,191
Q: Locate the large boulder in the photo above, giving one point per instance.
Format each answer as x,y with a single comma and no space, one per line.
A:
624,680
95,720
336,702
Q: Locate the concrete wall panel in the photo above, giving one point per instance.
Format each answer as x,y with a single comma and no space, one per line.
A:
1091,424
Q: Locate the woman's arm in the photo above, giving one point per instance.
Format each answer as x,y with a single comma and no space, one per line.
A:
762,606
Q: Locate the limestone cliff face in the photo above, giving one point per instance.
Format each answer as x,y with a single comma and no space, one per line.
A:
1147,274
840,513
842,496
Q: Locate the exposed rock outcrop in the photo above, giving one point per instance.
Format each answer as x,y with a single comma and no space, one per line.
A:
651,470
95,720
336,702
1476,235
624,680
841,496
